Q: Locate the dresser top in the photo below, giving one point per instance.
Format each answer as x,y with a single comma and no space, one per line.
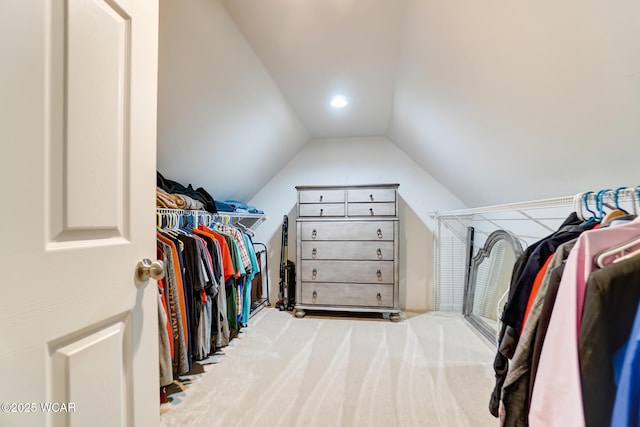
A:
344,187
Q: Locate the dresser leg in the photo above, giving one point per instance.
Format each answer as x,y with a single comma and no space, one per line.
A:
394,317
300,313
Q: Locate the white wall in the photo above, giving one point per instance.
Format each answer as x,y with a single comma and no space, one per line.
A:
222,122
353,161
513,101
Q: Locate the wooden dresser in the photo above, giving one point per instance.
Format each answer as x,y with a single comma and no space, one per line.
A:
347,249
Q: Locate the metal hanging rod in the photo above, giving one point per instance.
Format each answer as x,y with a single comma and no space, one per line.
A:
623,194
535,204
232,218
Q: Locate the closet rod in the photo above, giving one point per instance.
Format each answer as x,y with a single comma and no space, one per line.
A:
534,204
215,215
625,194
232,218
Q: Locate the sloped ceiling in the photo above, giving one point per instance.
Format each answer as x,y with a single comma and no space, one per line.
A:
223,123
315,49
499,101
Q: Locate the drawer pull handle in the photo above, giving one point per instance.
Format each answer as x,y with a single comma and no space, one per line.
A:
321,198
314,252
379,233
314,273
314,233
314,295
379,297
371,210
371,197
379,253
379,273
321,212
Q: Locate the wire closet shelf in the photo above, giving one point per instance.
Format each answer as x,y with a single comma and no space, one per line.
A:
529,221
248,221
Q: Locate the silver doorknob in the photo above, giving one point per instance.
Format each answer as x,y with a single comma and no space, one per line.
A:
147,269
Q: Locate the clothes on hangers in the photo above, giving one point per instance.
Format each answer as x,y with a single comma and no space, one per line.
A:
204,284
525,270
611,302
626,409
575,331
255,269
559,366
177,306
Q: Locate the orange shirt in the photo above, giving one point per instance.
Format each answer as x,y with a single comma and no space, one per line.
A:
180,286
227,263
534,290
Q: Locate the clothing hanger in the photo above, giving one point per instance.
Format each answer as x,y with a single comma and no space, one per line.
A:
611,215
585,201
620,250
627,256
600,203
577,206
245,229
617,210
616,199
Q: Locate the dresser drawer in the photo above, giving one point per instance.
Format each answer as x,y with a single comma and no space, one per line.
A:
322,209
321,196
371,209
347,250
371,195
361,295
347,271
347,230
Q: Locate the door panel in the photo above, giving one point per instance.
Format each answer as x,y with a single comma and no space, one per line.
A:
96,119
75,359
79,110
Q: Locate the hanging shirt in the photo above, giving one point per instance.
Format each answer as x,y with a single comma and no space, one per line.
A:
516,390
626,409
611,302
177,305
535,289
527,267
246,292
557,395
227,263
242,247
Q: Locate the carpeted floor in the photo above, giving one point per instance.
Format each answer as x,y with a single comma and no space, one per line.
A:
428,370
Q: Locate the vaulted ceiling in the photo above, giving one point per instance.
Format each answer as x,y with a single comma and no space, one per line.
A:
316,49
499,101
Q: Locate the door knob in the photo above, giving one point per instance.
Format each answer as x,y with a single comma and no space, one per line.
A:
147,269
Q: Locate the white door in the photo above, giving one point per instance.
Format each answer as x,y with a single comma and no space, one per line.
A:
78,334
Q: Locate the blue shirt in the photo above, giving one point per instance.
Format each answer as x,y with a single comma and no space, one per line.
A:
627,404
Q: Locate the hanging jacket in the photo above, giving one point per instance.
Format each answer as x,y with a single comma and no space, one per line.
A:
522,278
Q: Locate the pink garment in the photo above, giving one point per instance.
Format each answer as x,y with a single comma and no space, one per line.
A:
557,394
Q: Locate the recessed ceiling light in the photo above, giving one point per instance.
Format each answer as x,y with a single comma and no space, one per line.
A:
339,101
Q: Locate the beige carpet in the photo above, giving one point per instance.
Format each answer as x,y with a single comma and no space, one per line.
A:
428,370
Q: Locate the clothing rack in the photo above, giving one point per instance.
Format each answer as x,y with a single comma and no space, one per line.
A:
247,222
529,221
264,272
